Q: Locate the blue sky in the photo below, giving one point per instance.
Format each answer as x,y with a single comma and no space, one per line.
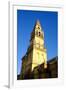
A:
25,23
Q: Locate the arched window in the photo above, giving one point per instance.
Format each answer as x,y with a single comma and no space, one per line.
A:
39,33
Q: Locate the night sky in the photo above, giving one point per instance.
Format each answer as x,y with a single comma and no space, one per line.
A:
25,23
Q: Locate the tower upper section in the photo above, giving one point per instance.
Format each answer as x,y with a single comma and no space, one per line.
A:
37,31
37,35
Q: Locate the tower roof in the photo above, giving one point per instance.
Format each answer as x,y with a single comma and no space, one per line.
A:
37,22
37,30
37,25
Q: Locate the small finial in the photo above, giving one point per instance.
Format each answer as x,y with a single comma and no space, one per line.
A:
37,22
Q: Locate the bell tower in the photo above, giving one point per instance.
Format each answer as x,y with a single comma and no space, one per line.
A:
36,53
39,54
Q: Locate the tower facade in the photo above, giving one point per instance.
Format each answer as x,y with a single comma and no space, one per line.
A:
36,53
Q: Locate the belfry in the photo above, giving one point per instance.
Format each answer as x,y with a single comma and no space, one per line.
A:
36,53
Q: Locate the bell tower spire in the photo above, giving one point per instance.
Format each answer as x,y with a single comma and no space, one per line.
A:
37,26
37,33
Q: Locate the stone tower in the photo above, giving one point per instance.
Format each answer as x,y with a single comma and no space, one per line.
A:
36,53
